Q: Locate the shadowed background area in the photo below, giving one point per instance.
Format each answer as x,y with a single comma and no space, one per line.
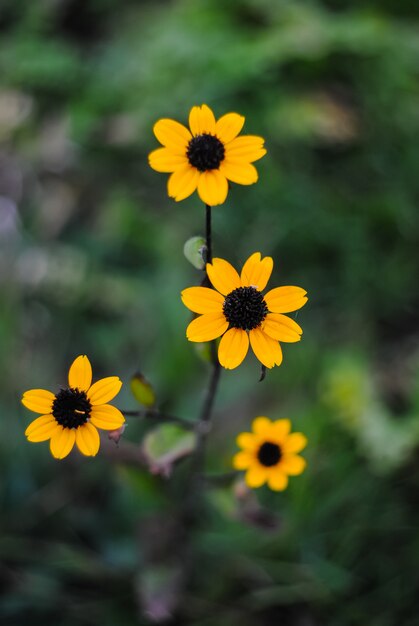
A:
91,262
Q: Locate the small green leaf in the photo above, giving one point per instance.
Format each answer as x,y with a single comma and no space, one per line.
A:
166,444
142,390
194,250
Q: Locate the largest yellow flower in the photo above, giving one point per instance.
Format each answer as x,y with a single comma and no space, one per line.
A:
237,310
73,415
206,156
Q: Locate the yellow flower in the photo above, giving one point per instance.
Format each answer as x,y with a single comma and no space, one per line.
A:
206,156
74,413
237,310
269,453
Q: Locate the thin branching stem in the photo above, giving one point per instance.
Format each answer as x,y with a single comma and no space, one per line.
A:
203,426
207,407
192,503
208,233
158,416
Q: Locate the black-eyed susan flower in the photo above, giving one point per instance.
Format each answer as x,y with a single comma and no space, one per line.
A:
73,415
237,310
206,156
269,453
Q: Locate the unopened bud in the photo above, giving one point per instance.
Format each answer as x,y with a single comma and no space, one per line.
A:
115,435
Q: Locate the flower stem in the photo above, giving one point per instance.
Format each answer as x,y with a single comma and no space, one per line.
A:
158,416
207,407
192,502
208,233
203,425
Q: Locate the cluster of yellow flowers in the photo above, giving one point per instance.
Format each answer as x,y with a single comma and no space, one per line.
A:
204,157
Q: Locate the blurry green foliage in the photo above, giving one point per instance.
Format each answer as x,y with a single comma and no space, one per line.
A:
166,444
351,395
91,261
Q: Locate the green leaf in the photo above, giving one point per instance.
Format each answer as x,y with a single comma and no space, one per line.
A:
165,445
194,250
142,390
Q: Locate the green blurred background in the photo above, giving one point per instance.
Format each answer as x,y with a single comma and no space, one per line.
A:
91,262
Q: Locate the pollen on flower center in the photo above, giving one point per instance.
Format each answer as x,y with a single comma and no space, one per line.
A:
245,308
71,407
269,454
205,152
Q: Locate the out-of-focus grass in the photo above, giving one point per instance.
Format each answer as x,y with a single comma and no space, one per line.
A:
91,262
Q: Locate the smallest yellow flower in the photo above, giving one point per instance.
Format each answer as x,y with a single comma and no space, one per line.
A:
73,415
269,453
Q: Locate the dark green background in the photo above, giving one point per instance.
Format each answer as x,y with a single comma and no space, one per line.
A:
91,262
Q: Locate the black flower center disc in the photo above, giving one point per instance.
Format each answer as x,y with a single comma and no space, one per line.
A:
71,408
269,454
205,152
245,308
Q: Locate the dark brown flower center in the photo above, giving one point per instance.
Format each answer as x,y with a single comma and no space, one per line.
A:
71,407
245,308
205,152
269,454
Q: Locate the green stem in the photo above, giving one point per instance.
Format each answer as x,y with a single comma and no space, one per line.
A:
157,416
208,233
203,426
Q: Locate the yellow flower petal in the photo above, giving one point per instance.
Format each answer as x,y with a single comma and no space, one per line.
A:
212,187
42,428
266,349
239,172
277,480
201,120
202,300
242,460
183,182
233,348
246,441
107,417
229,126
223,276
294,443
164,160
261,425
280,430
248,148
207,327
256,271
62,442
281,328
285,299
293,465
172,135
104,390
38,400
87,439
256,476
80,373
